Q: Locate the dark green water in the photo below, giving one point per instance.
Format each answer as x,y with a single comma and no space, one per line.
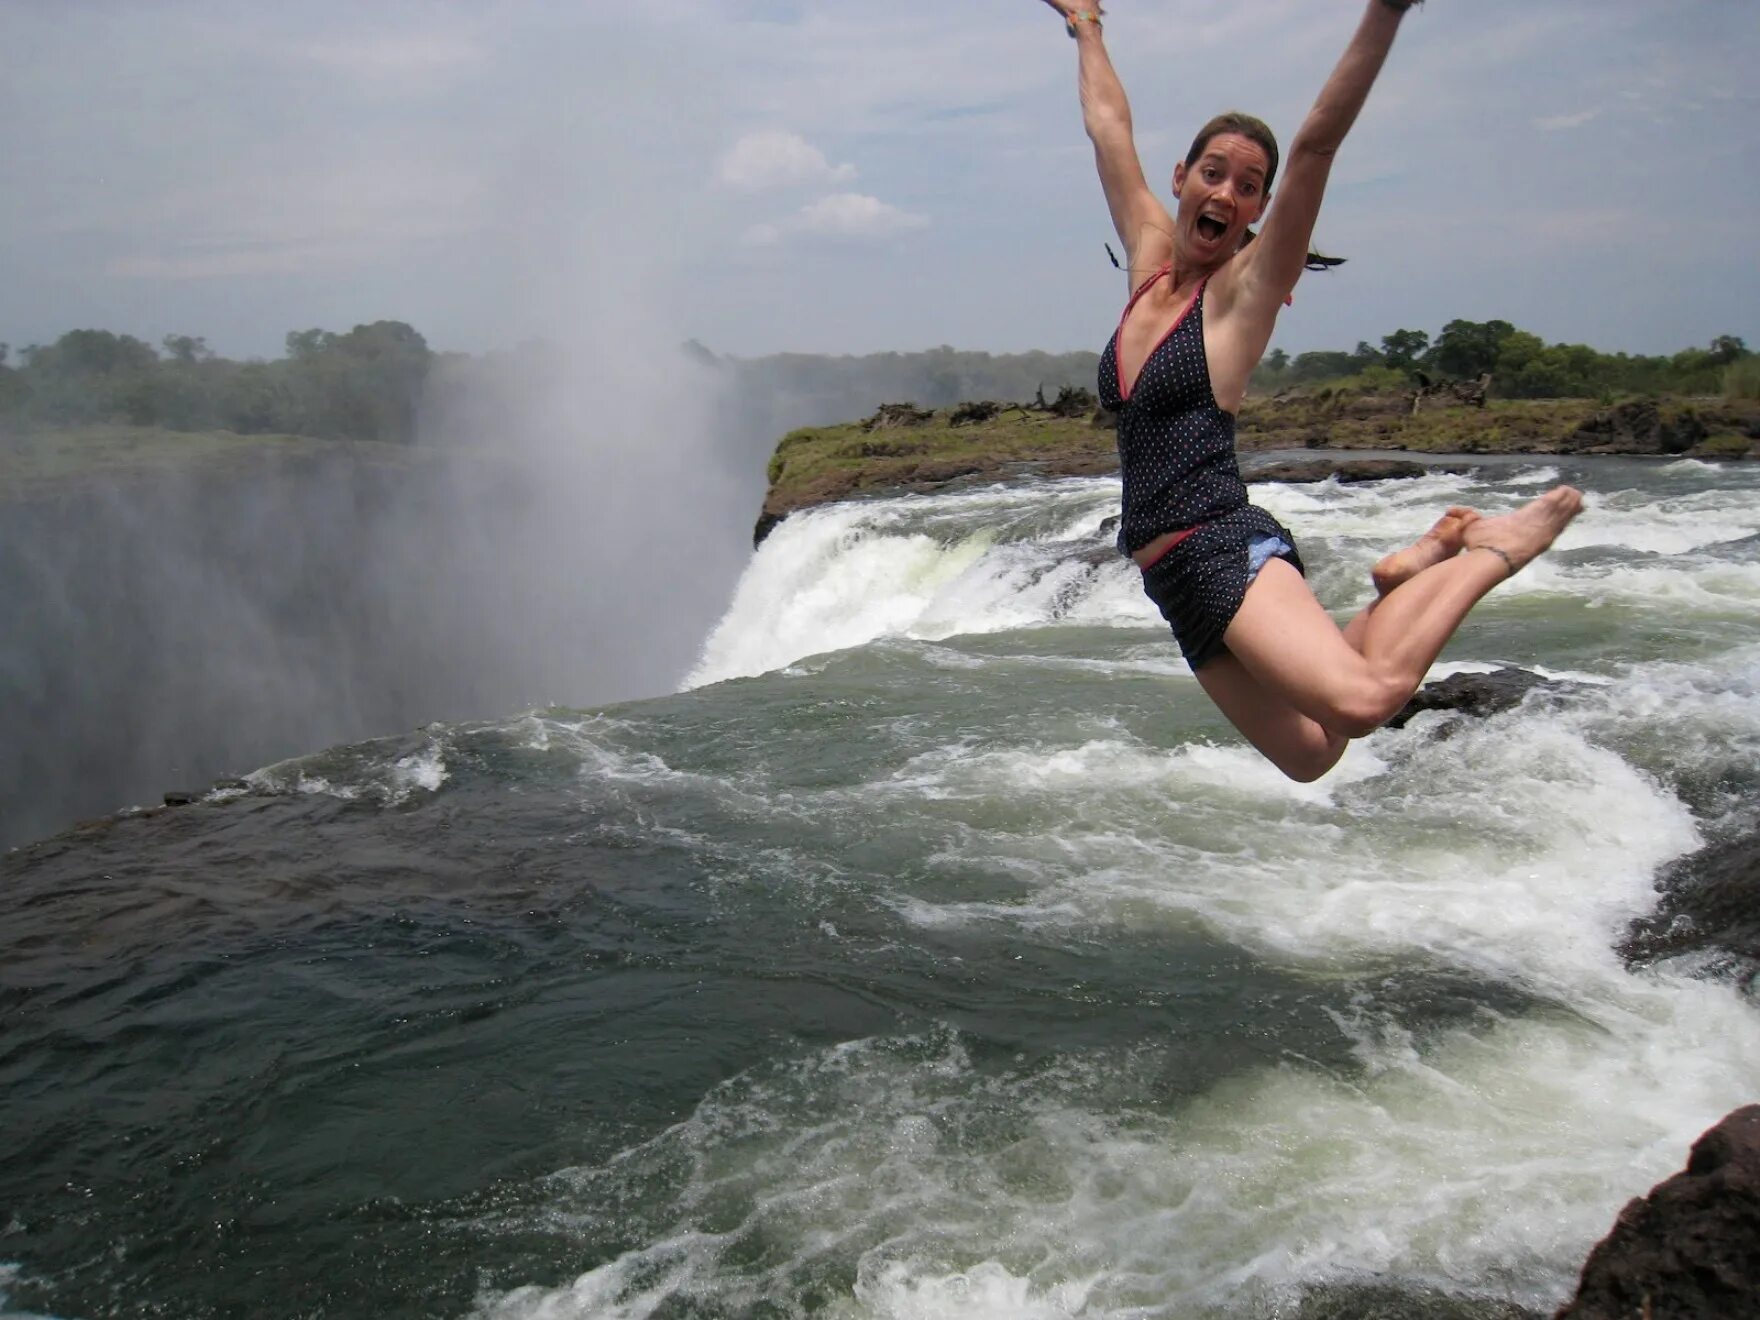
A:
957,962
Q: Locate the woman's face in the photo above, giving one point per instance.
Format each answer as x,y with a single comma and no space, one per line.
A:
1219,196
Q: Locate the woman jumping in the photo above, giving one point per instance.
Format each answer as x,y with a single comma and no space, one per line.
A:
1223,573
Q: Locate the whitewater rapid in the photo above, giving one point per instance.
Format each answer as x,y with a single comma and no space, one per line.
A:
1478,1154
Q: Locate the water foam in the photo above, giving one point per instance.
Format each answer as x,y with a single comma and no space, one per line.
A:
933,567
381,772
849,574
897,1178
1484,1157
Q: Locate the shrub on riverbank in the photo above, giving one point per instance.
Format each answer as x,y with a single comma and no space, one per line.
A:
1741,380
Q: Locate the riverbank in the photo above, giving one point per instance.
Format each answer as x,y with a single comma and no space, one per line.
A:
901,448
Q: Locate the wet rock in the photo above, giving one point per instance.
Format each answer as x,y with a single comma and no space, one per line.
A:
1691,1249
1098,556
179,797
1344,470
1475,694
1710,902
1388,1301
766,524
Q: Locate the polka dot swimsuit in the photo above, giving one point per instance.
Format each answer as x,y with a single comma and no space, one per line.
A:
1176,454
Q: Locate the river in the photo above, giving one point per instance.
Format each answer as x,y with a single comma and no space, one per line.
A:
937,951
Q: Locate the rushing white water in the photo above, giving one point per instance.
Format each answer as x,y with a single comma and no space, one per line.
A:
1479,1155
1011,557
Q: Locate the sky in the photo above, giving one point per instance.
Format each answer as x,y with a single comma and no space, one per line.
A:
845,176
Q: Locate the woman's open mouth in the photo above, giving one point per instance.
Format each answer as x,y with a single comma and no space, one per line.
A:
1210,228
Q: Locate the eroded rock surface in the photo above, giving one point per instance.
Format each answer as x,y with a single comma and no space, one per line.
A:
1475,694
1690,1250
1710,902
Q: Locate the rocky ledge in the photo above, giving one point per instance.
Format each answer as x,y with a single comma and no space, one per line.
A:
1691,1249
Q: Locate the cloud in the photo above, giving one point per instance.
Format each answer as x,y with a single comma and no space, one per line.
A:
1558,123
841,215
314,216
408,55
775,160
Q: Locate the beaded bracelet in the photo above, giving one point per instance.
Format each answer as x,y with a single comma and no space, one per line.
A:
1081,15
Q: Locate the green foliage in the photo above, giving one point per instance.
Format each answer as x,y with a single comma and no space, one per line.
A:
1521,365
363,385
1403,348
1469,348
369,383
1741,380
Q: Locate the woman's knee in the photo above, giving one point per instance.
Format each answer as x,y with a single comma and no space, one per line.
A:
1362,705
1308,763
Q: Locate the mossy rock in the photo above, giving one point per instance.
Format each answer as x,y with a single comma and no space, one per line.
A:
1725,445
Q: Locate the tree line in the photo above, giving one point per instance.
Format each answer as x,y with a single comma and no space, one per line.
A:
363,385
373,382
1521,365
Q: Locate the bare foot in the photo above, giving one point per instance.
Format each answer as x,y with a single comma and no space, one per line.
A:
1443,541
1520,536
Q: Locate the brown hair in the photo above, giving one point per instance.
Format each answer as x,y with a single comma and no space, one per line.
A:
1253,130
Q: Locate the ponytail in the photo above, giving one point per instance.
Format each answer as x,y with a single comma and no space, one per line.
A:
1313,261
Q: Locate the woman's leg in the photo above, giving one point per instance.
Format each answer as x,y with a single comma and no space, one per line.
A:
1295,744
1291,648
1441,543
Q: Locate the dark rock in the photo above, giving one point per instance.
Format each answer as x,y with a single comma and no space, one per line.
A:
1710,901
178,797
1637,427
1471,393
1474,694
232,785
1691,1249
1097,556
1345,470
766,524
1390,1301
1109,526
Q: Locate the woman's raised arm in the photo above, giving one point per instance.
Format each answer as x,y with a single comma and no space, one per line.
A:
1270,268
1142,222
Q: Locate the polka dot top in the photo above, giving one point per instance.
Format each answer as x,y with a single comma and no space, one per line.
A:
1175,445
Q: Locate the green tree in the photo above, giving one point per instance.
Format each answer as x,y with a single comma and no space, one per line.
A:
1403,348
187,348
1725,349
308,343
1469,348
1321,365
94,353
